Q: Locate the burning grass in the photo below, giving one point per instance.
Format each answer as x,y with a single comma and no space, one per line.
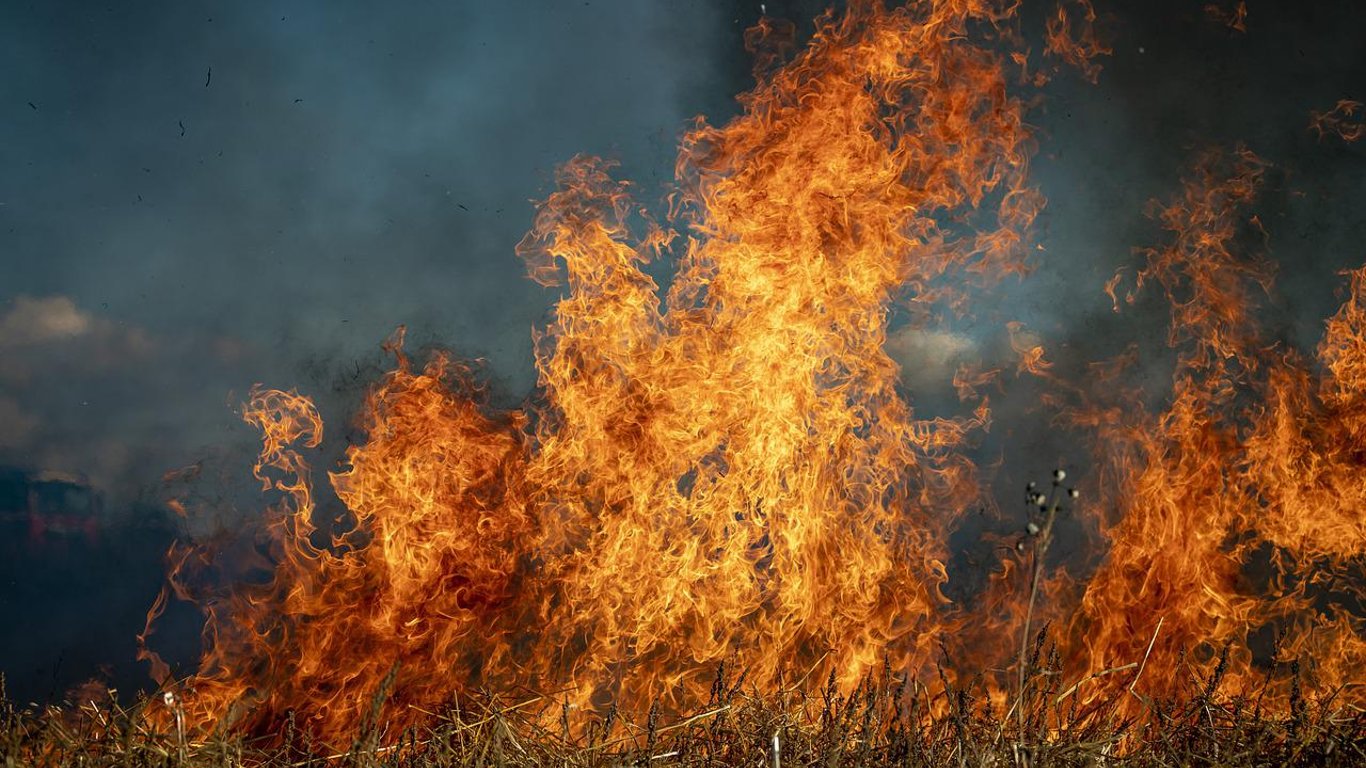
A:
886,720
727,471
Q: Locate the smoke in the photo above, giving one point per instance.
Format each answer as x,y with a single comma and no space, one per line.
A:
268,192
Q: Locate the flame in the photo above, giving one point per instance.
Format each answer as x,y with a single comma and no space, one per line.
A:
1238,506
1028,347
722,474
1234,18
726,472
1344,120
1071,36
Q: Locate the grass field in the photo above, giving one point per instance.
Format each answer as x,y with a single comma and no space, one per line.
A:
886,721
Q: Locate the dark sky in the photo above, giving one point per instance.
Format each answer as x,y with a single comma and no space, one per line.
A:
198,196
342,169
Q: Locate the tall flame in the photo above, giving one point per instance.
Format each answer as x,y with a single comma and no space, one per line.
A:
1238,507
726,472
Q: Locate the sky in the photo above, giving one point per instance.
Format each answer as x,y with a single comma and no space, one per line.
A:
199,196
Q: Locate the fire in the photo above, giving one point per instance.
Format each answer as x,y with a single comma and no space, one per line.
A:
1344,120
722,474
1079,48
726,472
1237,508
1234,18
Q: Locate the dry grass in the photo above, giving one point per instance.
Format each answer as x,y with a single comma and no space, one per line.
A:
886,721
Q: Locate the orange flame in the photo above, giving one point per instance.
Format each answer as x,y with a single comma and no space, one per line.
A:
1345,120
1027,347
1234,18
1238,506
1072,37
726,473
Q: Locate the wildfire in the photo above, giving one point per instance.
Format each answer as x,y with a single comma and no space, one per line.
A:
1236,509
727,472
